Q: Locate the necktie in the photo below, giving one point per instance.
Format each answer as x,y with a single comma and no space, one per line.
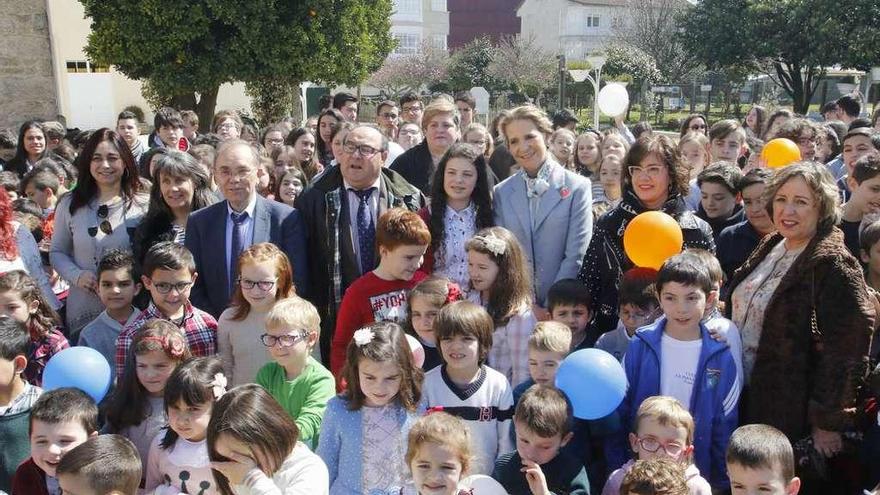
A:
238,232
366,230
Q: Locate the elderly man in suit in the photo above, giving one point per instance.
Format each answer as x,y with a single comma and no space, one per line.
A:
340,211
216,235
548,208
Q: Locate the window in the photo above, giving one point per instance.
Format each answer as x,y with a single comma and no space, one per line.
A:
592,21
438,5
439,41
408,7
83,67
407,44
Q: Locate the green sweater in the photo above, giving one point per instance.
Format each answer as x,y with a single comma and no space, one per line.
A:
16,446
304,398
564,473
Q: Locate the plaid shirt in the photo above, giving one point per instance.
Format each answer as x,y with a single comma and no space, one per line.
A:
39,353
199,328
23,402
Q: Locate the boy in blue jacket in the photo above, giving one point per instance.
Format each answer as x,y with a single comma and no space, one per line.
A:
677,357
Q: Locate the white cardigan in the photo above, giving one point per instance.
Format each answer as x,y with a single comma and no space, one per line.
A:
302,473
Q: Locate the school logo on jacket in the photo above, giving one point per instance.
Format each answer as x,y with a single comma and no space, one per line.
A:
390,306
713,376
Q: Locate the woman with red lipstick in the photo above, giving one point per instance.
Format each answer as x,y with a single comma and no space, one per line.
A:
801,304
654,178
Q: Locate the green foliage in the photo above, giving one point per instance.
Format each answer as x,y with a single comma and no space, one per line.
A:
193,47
625,60
468,66
794,41
271,99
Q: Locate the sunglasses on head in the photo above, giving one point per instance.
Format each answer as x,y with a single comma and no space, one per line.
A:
106,228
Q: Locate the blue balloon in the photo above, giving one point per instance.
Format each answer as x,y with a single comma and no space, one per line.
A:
594,382
79,367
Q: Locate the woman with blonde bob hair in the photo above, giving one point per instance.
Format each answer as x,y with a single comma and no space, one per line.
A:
805,316
546,206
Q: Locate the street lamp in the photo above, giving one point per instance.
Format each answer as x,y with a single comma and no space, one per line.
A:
596,62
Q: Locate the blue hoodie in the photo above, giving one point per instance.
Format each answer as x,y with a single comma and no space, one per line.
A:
714,400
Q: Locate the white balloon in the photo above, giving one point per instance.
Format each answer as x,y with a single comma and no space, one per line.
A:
418,351
613,99
483,485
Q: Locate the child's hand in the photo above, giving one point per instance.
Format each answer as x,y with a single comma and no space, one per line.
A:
87,281
535,477
236,469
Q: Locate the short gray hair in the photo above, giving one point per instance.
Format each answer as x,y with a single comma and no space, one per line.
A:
226,145
822,185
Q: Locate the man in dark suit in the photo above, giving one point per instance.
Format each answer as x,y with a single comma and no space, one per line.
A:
340,212
216,235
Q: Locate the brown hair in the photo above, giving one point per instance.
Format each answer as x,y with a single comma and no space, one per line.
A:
668,412
465,318
439,106
712,264
667,151
724,128
222,115
109,464
821,184
532,113
251,416
761,446
443,429
512,289
401,227
387,344
260,253
545,410
438,291
637,288
658,476
44,319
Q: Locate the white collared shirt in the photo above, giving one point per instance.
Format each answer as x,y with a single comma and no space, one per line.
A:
248,232
353,203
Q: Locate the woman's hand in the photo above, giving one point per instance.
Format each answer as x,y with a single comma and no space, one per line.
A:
540,313
827,443
235,469
87,281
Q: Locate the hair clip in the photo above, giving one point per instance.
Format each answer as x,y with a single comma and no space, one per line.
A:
218,385
493,243
363,337
453,292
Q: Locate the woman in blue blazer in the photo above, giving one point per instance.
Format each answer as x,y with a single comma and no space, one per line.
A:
547,207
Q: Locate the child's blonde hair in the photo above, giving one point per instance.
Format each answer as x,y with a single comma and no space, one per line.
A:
294,312
562,131
512,289
443,429
437,291
551,336
668,412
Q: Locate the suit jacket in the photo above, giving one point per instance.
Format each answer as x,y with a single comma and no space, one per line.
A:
563,226
333,262
206,238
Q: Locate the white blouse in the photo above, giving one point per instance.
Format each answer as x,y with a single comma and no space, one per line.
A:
450,260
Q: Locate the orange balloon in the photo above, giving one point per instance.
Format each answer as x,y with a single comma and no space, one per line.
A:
780,152
651,238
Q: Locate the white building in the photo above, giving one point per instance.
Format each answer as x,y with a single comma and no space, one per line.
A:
574,28
415,21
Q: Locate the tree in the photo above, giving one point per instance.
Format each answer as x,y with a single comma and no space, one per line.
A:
271,99
523,66
625,61
652,27
409,72
188,51
786,39
468,66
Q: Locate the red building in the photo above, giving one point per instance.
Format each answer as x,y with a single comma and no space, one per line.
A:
469,19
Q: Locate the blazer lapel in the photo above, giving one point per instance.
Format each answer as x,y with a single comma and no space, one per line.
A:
216,237
346,256
262,222
519,198
552,196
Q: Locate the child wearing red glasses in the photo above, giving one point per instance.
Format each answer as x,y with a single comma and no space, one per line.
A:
663,428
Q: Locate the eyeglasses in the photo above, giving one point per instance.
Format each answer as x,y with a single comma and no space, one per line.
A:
365,151
389,115
650,444
165,287
285,340
106,228
264,285
653,171
226,126
413,108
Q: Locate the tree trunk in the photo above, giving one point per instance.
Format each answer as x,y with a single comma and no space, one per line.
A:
185,101
206,106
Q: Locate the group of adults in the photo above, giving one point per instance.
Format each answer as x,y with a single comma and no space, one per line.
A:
801,289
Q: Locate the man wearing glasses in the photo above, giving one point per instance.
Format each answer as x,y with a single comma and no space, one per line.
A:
340,211
218,234
411,108
387,115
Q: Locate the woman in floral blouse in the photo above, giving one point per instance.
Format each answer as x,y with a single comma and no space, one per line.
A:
461,204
